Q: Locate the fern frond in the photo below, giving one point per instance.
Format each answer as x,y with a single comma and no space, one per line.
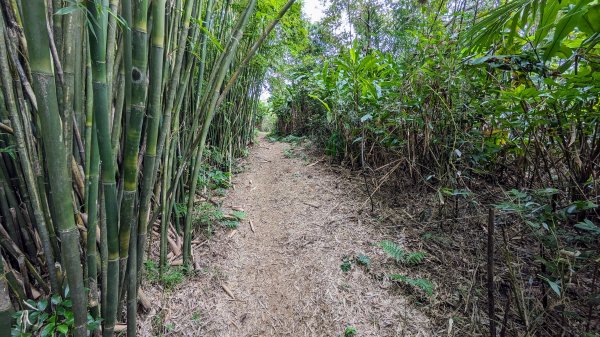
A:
364,260
393,250
423,284
240,215
397,253
414,258
232,224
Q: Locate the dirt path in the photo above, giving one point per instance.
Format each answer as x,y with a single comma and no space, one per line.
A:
285,277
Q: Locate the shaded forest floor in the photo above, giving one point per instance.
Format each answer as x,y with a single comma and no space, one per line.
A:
297,270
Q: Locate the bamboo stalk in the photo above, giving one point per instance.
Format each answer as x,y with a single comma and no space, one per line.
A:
6,309
155,93
97,38
34,19
128,229
101,90
25,162
195,172
490,272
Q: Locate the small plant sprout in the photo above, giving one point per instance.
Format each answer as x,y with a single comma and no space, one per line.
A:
350,331
346,265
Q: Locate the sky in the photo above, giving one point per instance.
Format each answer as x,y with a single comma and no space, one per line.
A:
313,9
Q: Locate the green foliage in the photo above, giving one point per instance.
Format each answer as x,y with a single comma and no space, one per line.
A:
10,150
535,208
397,253
295,140
53,317
363,260
171,277
346,265
231,224
180,209
240,215
588,226
290,139
350,331
556,21
422,284
498,93
414,258
232,221
288,153
564,258
267,119
451,117
393,250
214,179
207,213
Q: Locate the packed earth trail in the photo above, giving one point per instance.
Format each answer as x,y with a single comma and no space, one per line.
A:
281,275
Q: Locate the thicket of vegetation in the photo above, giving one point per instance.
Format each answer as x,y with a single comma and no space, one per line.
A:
485,104
107,110
113,112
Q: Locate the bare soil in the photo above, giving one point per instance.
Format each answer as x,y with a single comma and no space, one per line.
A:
284,278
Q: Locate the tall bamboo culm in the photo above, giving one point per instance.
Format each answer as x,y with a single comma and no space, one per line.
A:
109,107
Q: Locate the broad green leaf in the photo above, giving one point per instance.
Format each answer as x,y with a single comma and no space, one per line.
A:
553,285
56,299
564,26
352,55
548,12
589,226
42,305
591,18
63,329
47,330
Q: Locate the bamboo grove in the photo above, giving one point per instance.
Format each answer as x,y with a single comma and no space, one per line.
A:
107,110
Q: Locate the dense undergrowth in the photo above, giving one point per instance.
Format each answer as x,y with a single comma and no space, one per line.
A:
480,107
476,123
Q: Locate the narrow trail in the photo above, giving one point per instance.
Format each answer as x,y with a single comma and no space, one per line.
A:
285,277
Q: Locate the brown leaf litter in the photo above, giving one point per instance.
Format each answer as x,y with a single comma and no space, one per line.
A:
279,274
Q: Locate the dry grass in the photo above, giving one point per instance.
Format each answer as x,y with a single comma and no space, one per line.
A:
286,278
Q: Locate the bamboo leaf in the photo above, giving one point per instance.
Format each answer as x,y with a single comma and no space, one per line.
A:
67,10
211,37
553,285
322,102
